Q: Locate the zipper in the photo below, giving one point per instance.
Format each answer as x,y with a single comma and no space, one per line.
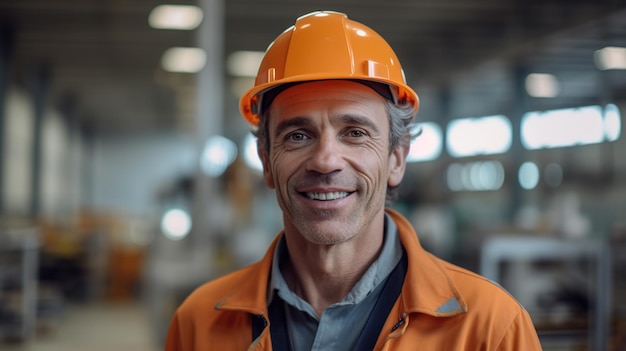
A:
399,323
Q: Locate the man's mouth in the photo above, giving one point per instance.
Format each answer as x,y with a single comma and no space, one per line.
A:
327,196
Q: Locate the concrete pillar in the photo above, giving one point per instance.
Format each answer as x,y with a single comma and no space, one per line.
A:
210,114
444,103
518,108
7,37
39,93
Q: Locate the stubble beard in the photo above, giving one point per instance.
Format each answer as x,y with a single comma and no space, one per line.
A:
330,227
326,228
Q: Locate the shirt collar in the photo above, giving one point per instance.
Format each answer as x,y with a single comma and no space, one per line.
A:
389,257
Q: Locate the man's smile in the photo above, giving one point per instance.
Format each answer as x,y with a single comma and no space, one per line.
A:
326,196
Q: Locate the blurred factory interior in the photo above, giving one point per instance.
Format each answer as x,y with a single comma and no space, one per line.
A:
128,177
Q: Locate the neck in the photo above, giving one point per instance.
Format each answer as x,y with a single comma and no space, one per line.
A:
324,274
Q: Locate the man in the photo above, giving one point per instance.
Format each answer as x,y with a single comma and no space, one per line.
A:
333,116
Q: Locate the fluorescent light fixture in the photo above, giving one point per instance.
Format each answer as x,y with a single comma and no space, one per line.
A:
528,175
180,17
542,85
183,60
565,127
250,154
475,176
176,224
428,145
453,176
219,153
610,57
612,122
479,136
244,63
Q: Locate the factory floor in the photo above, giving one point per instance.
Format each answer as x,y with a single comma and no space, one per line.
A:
94,327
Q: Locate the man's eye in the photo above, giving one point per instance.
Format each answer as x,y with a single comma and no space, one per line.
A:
296,137
356,133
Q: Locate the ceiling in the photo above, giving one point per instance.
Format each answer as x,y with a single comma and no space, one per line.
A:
99,61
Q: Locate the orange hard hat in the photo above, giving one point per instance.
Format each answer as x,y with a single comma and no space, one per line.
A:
326,45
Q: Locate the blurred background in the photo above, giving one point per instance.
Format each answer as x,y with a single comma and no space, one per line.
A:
128,177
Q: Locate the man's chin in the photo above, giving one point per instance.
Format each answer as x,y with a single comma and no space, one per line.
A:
326,232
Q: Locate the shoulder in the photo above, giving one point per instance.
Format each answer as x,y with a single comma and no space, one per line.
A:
199,324
206,296
489,317
243,290
482,296
493,310
478,291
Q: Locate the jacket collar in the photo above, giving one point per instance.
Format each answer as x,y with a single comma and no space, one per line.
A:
250,295
427,288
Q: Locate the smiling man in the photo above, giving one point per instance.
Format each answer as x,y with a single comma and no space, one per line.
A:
333,116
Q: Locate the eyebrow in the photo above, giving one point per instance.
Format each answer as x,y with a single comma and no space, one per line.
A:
291,123
359,120
350,119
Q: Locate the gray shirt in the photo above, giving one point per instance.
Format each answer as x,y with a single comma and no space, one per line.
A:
339,326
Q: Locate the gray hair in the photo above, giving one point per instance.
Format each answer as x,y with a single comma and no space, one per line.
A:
401,130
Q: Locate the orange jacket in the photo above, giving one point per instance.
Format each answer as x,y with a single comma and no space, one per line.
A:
441,307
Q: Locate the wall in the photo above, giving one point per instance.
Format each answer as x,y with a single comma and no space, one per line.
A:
130,170
18,148
60,164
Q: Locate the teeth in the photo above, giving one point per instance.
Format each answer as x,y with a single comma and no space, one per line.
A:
327,196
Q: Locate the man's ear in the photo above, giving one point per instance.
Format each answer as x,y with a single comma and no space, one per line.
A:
267,172
397,162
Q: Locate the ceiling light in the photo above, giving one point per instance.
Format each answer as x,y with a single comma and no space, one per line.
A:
475,176
244,63
564,127
542,85
468,136
183,17
176,224
528,175
219,153
250,153
612,122
184,60
428,145
611,57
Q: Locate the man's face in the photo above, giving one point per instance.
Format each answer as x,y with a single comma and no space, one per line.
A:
329,159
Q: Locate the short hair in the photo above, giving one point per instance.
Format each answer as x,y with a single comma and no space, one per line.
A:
401,130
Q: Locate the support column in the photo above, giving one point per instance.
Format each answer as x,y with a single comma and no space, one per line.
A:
7,37
68,108
209,117
40,87
444,102
519,107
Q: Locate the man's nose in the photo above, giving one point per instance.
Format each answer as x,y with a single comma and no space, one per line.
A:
326,156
